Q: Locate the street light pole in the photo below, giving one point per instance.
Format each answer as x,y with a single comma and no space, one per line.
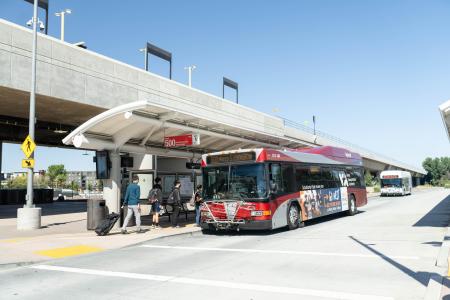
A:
145,57
314,124
32,113
190,69
62,15
29,217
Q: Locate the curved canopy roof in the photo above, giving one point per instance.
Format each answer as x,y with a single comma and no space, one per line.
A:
140,127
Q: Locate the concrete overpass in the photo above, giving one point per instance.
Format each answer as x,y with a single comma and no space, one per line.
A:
75,85
444,109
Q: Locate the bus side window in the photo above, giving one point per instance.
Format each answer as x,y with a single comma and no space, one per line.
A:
355,177
315,176
327,178
275,183
287,171
337,178
301,177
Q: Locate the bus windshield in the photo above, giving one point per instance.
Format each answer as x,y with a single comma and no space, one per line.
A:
392,182
239,182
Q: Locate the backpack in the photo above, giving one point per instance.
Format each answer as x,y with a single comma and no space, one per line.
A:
153,195
170,199
192,201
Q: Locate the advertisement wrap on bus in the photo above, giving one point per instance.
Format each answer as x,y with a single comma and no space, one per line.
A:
268,189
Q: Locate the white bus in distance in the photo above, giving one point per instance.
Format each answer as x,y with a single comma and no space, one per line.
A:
395,183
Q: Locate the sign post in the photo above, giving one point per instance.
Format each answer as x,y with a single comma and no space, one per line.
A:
29,217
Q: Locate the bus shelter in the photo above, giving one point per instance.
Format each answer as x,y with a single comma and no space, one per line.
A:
144,128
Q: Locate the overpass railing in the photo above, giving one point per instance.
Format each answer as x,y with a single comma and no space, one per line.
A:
354,147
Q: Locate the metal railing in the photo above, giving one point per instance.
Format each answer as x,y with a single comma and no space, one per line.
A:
354,147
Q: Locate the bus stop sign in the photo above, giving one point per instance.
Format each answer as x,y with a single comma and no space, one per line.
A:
182,140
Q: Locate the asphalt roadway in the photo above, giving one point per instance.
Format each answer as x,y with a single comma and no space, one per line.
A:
387,251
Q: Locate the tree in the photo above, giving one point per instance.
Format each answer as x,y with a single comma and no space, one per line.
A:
57,173
19,182
368,178
89,186
438,170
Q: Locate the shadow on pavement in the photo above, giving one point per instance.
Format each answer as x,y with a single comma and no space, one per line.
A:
422,277
48,209
434,244
283,229
438,216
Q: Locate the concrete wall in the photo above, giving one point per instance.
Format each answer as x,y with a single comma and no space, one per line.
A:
71,73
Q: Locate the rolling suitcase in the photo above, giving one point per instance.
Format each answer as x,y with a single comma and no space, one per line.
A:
106,225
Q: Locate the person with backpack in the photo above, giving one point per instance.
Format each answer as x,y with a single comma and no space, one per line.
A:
131,199
198,200
175,201
155,199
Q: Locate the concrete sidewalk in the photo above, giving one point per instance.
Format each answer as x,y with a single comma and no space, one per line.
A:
66,235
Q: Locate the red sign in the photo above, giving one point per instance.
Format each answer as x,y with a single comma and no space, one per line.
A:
390,176
181,140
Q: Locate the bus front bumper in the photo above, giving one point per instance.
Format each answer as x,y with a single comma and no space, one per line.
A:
225,225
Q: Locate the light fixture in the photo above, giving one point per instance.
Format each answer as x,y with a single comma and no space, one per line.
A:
40,23
62,15
60,130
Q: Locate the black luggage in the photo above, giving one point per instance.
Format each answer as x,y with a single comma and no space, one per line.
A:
106,225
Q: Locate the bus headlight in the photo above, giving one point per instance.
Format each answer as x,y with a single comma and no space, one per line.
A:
205,214
260,213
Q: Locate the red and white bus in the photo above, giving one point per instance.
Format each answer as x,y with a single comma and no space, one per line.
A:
268,188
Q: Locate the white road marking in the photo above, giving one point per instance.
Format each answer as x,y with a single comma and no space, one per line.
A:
217,283
280,252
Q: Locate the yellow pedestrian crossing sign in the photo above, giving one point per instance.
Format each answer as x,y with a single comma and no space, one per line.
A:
28,146
28,163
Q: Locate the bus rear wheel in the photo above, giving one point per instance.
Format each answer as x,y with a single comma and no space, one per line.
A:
293,217
352,210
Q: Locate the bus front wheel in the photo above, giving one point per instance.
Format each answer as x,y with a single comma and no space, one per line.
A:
293,217
352,206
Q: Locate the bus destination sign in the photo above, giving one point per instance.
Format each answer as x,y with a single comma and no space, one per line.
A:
389,176
231,157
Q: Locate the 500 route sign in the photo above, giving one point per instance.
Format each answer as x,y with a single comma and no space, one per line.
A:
182,140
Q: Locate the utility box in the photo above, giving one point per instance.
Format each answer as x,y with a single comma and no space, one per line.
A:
96,212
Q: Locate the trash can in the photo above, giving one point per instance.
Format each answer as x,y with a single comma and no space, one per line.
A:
123,214
96,212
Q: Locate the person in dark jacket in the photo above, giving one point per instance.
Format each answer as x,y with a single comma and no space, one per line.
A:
198,202
175,201
156,193
131,199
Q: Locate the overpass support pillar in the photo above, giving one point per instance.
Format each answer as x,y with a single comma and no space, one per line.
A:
417,181
111,186
1,157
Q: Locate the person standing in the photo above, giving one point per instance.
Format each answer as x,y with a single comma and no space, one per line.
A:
175,201
155,198
131,199
198,202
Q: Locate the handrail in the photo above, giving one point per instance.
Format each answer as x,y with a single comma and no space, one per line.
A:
304,128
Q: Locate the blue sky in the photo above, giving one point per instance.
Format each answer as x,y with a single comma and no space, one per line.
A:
373,72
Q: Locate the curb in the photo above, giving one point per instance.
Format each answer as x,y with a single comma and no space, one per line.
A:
8,266
434,287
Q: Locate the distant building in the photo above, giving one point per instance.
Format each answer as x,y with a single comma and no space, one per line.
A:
82,178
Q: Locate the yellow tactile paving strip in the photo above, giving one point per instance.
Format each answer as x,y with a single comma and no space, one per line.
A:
68,251
15,240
